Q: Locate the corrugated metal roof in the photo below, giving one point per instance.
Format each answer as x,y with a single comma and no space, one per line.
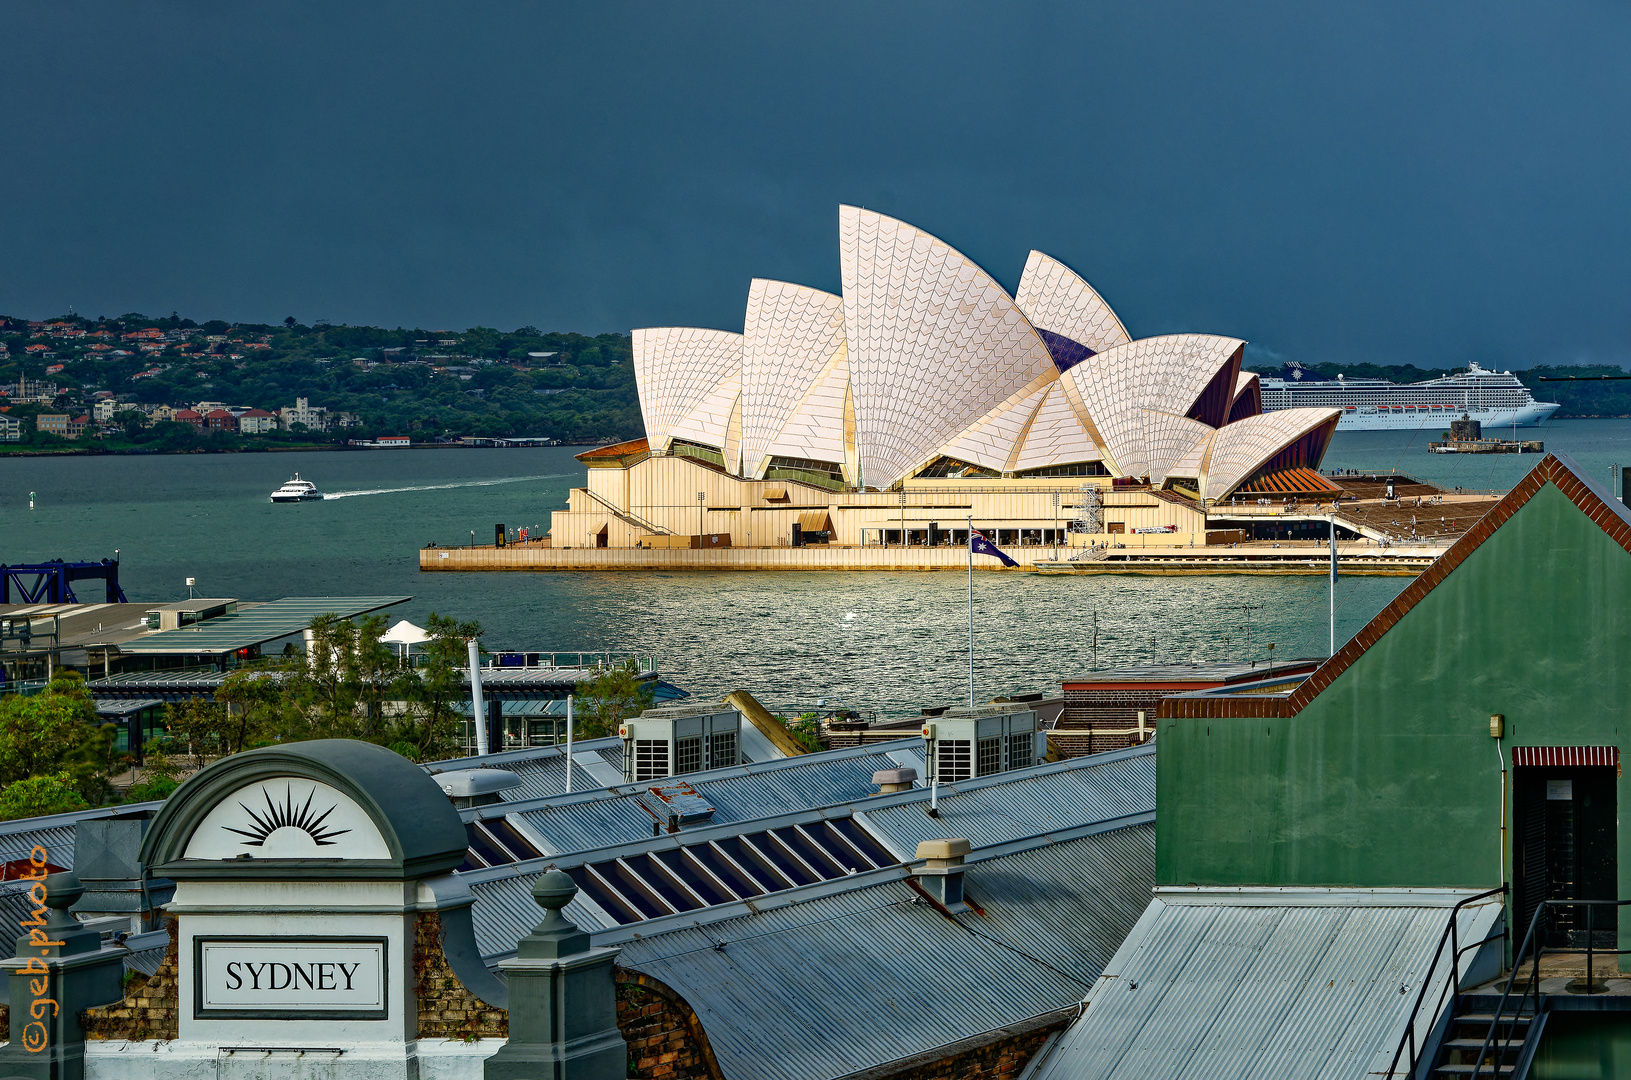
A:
542,769
740,793
1066,798
257,625
1315,983
55,833
1050,798
865,977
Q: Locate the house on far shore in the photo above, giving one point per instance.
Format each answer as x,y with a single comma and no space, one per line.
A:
63,424
256,422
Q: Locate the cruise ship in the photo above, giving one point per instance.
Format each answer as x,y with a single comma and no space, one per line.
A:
1496,398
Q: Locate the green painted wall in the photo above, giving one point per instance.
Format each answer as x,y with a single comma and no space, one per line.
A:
1390,777
1584,1046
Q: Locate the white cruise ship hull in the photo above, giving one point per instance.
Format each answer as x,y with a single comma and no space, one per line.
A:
1408,418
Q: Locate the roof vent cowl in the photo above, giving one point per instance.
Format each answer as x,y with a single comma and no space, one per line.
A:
942,870
890,781
476,787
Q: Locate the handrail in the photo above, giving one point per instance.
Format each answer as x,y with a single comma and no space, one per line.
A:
1534,977
1450,934
628,515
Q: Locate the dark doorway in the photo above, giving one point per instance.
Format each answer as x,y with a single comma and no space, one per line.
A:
601,537
1564,849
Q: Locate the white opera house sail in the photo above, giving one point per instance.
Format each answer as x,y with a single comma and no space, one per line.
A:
926,372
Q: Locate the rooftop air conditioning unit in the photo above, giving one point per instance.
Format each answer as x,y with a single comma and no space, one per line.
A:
680,739
981,741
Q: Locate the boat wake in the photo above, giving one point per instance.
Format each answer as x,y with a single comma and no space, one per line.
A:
441,487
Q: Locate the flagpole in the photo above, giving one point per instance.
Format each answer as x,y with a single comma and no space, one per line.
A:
1333,585
971,611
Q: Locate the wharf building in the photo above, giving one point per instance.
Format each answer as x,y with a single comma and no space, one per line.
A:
1410,863
924,396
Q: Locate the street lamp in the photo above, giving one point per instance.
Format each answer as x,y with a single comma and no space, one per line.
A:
1056,526
701,495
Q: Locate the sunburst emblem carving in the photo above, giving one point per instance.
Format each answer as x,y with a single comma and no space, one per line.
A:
288,817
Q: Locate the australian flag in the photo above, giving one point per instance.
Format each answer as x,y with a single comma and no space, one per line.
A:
979,545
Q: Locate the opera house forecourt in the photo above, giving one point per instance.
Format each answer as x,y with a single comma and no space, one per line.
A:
880,422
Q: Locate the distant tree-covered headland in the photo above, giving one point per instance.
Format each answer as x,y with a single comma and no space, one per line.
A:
172,384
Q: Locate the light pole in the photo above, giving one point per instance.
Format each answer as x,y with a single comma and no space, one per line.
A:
902,517
701,495
1056,526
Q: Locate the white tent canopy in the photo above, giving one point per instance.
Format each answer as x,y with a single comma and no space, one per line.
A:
405,633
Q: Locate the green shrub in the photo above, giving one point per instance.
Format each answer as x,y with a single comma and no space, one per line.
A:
39,795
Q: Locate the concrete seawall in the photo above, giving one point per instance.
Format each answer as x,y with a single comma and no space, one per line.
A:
1156,561
528,557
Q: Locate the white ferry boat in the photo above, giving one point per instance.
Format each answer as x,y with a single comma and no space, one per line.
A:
297,490
1496,398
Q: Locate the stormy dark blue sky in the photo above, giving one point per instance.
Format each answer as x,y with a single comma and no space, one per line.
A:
1403,182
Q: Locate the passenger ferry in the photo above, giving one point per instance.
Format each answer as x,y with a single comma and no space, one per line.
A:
1496,398
297,490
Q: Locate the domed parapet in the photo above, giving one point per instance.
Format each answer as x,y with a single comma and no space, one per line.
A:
332,809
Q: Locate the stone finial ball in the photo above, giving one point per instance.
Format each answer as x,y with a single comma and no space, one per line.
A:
63,889
554,890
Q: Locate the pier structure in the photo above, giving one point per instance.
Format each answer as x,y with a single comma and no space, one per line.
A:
1075,525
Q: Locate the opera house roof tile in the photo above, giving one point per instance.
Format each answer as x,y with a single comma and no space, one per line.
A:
1057,300
925,361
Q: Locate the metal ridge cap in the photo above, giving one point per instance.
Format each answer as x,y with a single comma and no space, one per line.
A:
730,772
840,808
847,808
1058,836
1315,896
54,821
523,754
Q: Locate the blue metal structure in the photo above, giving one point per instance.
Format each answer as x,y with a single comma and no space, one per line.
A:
52,582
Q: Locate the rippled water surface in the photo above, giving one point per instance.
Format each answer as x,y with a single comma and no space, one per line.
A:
885,642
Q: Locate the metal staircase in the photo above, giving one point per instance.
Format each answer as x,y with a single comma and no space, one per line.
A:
627,517
1489,1035
1467,1050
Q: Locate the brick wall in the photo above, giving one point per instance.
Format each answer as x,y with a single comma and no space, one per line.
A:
148,1010
1087,710
995,1061
996,1056
666,1040
447,1010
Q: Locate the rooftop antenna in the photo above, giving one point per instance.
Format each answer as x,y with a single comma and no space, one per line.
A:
190,583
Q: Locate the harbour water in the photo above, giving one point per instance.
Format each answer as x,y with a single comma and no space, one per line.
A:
889,643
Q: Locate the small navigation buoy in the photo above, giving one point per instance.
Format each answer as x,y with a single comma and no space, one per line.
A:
31,500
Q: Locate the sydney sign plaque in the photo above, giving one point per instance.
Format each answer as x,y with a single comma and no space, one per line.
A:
289,978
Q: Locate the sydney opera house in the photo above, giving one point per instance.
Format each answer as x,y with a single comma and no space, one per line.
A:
925,395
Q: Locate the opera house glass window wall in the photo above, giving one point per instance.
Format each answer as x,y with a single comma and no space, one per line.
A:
849,416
